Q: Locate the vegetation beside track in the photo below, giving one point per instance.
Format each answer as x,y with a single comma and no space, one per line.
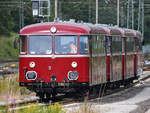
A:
84,108
35,108
10,90
7,51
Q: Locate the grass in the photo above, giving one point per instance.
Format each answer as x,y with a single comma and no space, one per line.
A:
84,108
10,90
7,51
56,108
35,108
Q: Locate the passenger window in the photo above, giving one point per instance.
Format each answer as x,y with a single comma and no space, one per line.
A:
98,44
130,44
116,44
138,45
23,45
84,44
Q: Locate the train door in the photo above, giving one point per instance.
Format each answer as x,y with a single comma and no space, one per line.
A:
116,65
108,58
129,57
98,60
123,57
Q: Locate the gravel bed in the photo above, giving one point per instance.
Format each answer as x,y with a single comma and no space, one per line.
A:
120,96
142,107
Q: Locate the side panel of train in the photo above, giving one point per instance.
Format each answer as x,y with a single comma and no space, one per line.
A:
114,59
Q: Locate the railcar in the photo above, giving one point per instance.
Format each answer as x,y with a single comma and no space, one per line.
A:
66,57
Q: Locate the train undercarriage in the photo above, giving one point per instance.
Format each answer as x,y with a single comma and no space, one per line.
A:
48,91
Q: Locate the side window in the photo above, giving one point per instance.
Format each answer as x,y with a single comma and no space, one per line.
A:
123,44
130,44
94,45
98,44
116,44
108,44
138,45
23,45
84,44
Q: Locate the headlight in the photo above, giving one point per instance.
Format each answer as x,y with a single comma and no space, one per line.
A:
73,75
74,64
32,64
31,75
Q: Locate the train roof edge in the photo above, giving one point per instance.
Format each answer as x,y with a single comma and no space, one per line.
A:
77,28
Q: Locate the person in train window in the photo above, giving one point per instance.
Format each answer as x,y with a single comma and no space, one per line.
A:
73,48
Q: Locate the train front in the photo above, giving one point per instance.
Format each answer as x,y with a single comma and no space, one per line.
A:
54,58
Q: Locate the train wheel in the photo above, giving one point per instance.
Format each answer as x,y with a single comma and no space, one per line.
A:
47,97
53,94
41,96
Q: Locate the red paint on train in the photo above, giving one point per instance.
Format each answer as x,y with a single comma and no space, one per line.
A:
60,67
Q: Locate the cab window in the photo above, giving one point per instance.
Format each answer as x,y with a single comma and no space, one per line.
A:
66,44
40,45
83,44
23,44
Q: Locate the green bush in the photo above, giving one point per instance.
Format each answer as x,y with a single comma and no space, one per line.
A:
7,51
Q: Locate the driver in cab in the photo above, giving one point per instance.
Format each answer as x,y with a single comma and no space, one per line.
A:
73,48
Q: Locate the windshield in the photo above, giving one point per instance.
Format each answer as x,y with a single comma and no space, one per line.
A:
66,44
40,45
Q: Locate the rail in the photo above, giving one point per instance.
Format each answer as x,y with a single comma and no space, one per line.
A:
8,68
69,99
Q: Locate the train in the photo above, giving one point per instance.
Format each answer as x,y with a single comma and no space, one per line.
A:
68,57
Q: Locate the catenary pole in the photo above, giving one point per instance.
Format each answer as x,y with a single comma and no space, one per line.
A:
96,11
56,15
128,14
132,14
118,12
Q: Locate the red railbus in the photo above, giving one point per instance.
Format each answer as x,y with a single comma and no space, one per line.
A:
66,57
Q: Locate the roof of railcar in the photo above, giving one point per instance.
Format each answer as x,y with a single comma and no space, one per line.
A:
62,28
130,33
117,31
70,28
138,34
99,29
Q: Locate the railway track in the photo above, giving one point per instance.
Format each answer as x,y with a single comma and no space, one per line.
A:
8,67
69,99
7,61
